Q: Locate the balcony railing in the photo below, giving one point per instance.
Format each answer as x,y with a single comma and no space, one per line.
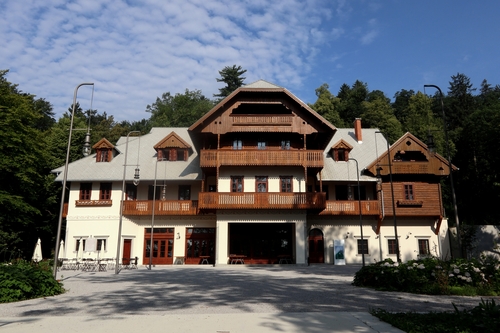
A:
162,207
307,158
213,200
351,207
94,202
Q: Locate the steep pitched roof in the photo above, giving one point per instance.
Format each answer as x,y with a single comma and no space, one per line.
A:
172,140
103,144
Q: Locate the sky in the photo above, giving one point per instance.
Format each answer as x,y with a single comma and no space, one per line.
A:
134,51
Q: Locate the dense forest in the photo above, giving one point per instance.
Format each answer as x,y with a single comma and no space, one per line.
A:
33,143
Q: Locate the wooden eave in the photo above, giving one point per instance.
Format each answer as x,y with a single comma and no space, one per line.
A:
435,164
310,121
172,141
342,144
103,144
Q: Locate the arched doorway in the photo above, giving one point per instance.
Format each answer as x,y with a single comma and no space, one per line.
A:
316,247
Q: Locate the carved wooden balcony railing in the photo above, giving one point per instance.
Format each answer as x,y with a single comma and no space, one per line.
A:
351,207
162,207
93,203
249,200
262,119
306,158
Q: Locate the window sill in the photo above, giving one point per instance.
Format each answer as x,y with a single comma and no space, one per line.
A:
410,203
93,203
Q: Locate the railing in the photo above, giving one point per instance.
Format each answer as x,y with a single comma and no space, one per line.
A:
351,207
213,200
307,158
263,120
94,202
162,207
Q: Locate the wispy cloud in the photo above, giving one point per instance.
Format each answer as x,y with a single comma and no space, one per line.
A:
135,51
373,31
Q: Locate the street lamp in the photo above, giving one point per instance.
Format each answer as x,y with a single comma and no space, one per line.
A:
360,213
453,196
65,177
136,182
392,195
153,214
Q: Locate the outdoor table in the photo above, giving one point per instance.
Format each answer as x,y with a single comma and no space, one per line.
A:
236,258
285,259
204,260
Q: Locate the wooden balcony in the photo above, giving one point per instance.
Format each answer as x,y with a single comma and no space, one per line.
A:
162,207
65,210
306,158
351,207
250,200
86,203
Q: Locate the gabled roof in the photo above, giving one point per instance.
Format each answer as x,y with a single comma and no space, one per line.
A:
141,150
342,144
103,144
172,141
263,87
437,164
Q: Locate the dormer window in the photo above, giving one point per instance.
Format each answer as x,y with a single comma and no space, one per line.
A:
340,151
172,148
104,151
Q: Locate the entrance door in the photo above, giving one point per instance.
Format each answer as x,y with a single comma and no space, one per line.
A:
127,246
163,246
316,247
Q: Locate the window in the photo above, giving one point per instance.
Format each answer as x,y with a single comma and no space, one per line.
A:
341,155
285,144
172,154
286,183
423,247
261,145
85,191
181,154
409,192
105,191
131,192
237,184
362,246
80,242
237,144
184,192
212,188
392,246
101,244
260,183
103,155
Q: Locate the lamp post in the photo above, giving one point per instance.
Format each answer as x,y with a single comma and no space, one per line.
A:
453,196
136,182
153,215
392,196
360,212
65,177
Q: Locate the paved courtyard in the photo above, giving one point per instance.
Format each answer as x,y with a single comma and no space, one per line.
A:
298,293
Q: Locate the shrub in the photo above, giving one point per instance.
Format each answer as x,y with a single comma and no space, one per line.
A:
23,280
433,276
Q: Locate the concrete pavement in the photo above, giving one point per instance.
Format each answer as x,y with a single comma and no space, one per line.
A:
222,299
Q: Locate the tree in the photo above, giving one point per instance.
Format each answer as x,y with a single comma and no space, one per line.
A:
26,186
181,110
232,77
400,105
379,114
327,105
352,99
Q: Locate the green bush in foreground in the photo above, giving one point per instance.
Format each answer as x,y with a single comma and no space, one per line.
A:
484,318
433,276
23,280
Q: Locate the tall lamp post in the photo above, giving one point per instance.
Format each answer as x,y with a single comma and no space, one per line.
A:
120,222
65,177
153,215
360,212
398,257
450,167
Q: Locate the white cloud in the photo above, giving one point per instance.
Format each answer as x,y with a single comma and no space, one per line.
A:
135,52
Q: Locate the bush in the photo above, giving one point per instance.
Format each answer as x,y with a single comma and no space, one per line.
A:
433,276
23,280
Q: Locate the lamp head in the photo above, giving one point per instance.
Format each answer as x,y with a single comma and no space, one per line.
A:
430,143
86,145
136,177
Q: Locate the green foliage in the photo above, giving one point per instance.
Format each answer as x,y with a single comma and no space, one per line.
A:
327,106
181,110
484,318
232,77
378,113
433,276
22,280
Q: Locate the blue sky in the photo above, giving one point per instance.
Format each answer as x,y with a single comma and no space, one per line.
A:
136,50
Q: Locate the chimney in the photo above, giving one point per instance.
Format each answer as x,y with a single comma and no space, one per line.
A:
357,130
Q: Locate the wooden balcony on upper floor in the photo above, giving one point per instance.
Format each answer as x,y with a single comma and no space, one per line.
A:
351,207
306,158
65,210
254,200
162,207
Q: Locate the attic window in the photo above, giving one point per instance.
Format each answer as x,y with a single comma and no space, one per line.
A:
340,151
104,150
173,154
103,155
340,155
